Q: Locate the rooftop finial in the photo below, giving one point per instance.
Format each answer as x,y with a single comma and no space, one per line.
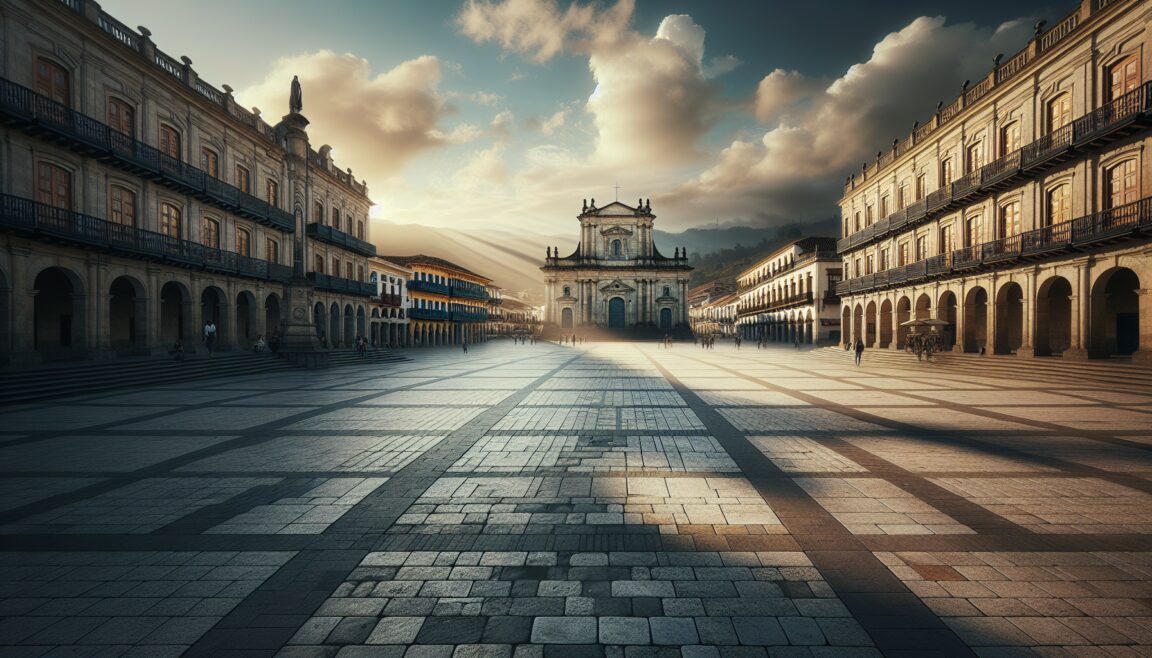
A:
295,97
585,205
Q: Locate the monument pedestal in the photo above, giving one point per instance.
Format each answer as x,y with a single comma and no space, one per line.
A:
299,344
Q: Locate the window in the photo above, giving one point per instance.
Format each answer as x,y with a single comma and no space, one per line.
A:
921,248
169,141
868,265
902,255
121,117
902,199
335,266
567,291
868,215
359,272
1010,219
54,185
272,250
975,230
336,223
947,175
348,270
974,157
319,264
1009,138
210,232
947,242
272,192
52,81
859,268
884,259
667,291
884,206
360,229
616,248
122,205
243,242
169,220
921,182
209,162
1059,205
1122,184
1123,77
318,212
243,179
1059,113
857,226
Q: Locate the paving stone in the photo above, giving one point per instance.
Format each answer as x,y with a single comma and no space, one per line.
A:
624,630
564,630
397,630
674,630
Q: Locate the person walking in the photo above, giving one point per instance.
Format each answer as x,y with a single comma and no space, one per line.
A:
464,344
859,350
210,337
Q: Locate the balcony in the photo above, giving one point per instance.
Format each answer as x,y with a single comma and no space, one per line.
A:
391,300
777,304
340,284
427,314
44,118
42,222
800,261
1132,221
429,287
469,293
469,316
340,239
1115,120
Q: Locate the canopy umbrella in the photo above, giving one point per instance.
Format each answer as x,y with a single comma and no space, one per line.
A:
914,323
933,322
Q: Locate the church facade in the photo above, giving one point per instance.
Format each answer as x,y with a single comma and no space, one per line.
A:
616,279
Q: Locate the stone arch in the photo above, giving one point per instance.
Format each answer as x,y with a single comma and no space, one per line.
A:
59,318
946,311
272,315
566,318
246,319
858,324
975,319
903,314
809,329
176,317
886,324
214,307
870,325
127,315
334,332
1114,312
923,307
846,323
1053,317
1009,318
361,322
349,325
616,313
319,319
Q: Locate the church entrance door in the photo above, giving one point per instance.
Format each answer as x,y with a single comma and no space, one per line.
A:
566,318
616,313
665,318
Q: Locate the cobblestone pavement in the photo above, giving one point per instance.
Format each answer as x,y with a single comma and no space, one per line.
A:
606,500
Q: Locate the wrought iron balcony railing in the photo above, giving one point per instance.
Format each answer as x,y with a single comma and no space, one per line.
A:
339,238
428,286
340,284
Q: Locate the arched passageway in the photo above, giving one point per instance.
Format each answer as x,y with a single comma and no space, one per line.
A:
975,320
246,322
886,324
58,314
334,322
870,325
272,315
946,311
1053,317
212,308
1115,313
127,315
1009,318
903,314
175,314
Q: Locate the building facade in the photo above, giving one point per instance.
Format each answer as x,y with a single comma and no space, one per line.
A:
390,315
448,303
790,295
715,315
616,279
513,317
138,201
1020,213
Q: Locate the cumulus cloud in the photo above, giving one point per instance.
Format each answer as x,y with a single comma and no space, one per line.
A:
538,29
797,165
376,122
551,124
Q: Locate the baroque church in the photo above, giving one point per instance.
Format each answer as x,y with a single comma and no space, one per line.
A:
616,279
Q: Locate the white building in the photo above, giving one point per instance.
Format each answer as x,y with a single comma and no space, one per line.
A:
616,279
790,295
389,322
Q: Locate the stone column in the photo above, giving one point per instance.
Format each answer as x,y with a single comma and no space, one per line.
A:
1028,317
1081,305
1143,353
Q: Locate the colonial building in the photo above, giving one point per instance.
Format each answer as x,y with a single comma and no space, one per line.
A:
1020,213
715,315
616,279
449,304
513,317
790,295
138,201
390,316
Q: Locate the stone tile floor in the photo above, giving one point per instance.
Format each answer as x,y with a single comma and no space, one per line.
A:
608,500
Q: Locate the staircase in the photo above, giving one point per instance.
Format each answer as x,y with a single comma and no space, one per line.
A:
1116,372
64,379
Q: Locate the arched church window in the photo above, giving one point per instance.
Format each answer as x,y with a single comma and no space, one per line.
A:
567,291
616,248
667,291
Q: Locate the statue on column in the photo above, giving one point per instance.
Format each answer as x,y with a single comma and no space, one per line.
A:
296,98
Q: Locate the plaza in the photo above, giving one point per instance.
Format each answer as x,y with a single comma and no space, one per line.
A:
608,499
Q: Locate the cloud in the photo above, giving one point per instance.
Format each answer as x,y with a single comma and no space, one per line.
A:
377,123
479,97
501,126
796,166
485,167
551,124
538,29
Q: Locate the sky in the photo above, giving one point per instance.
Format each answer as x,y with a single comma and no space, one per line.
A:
509,113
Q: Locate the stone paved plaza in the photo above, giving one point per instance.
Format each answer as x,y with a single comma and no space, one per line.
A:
604,500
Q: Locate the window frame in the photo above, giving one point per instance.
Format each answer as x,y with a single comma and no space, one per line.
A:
116,205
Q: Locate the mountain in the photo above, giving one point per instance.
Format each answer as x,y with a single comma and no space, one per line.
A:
513,259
